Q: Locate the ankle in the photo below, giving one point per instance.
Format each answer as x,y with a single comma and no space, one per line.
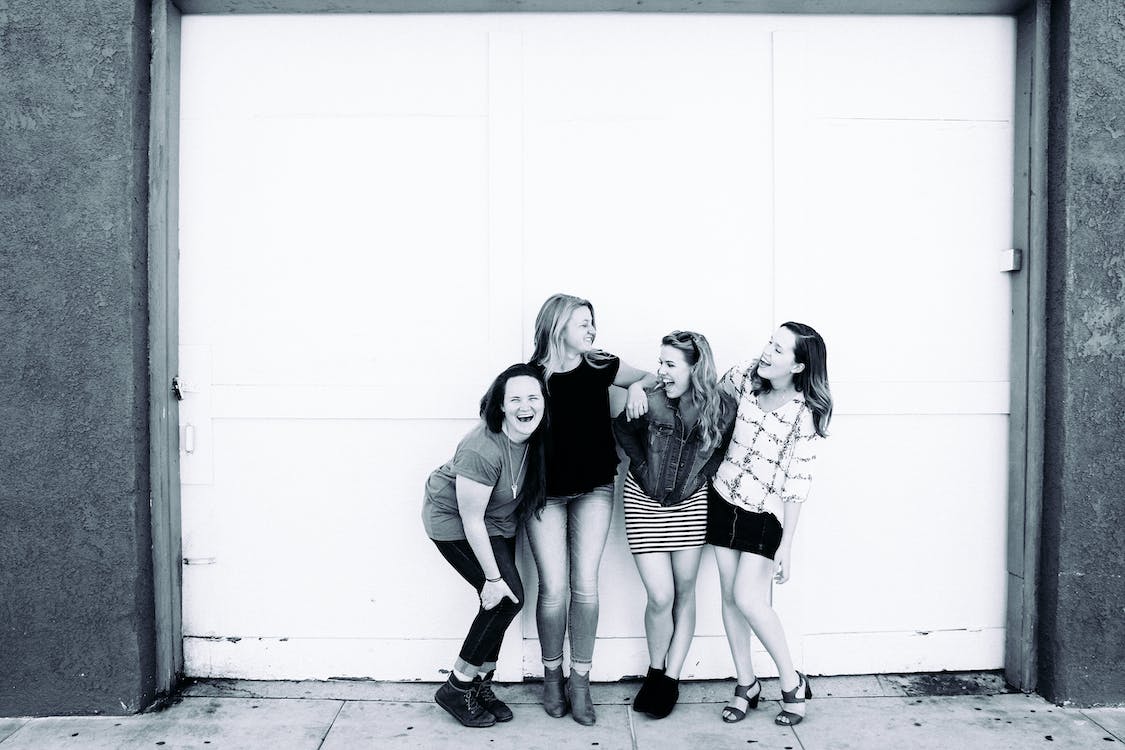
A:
461,683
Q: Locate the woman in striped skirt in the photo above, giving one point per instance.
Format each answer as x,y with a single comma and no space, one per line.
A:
673,450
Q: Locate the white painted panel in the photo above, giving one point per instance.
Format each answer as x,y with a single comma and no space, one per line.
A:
905,250
898,533
334,259
913,68
647,192
321,533
374,207
295,66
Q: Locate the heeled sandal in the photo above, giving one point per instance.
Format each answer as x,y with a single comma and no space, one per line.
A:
789,718
731,712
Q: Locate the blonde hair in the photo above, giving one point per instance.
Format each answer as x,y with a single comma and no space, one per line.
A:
704,382
550,324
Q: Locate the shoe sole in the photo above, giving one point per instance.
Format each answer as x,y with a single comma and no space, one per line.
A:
453,713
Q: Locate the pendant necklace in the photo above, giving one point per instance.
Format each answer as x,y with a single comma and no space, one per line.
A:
515,475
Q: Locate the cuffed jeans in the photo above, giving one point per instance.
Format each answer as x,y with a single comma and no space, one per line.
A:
570,533
486,634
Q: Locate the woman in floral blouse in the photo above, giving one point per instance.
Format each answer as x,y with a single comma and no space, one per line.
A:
784,406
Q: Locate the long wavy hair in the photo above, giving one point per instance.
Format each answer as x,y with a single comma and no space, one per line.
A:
812,381
533,492
704,382
549,326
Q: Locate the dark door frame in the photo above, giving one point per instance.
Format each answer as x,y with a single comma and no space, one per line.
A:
1029,285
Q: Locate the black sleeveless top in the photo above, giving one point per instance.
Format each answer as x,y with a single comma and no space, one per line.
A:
581,452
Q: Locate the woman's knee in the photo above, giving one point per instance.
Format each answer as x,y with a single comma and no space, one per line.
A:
552,583
510,608
684,596
751,604
727,596
551,593
661,600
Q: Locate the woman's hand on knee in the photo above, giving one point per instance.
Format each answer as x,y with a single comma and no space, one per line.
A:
494,592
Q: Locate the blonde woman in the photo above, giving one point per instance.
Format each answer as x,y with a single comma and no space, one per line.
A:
673,450
567,536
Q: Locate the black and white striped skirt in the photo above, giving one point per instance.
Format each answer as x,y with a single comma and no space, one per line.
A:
652,527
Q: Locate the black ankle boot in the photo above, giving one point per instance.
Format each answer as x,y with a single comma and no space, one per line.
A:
488,699
665,693
462,703
643,701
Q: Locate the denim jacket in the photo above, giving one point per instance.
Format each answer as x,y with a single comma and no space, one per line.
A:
664,454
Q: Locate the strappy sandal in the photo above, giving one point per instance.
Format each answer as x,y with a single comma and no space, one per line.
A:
732,713
789,718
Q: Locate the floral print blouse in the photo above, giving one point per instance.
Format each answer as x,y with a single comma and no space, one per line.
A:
771,456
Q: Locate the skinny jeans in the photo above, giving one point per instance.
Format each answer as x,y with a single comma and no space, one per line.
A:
567,540
486,633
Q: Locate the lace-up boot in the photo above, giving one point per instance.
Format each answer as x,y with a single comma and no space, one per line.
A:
488,699
462,703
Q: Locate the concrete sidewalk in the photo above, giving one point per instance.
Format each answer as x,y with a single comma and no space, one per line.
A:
964,711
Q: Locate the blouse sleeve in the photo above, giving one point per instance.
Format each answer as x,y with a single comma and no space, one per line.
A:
734,382
800,465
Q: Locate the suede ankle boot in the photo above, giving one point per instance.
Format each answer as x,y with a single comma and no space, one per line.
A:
554,692
581,705
665,693
643,702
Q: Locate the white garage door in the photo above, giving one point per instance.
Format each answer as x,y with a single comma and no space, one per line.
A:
373,208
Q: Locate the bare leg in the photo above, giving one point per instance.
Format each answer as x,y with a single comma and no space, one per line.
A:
685,569
751,595
735,623
655,569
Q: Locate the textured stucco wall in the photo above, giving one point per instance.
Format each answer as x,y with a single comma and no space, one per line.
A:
76,632
1082,604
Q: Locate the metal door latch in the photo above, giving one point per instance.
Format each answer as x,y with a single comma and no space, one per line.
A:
1011,260
177,388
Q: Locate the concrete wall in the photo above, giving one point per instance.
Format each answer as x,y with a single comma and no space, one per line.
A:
76,633
1082,588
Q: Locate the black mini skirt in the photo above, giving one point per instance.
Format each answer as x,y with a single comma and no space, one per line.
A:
737,528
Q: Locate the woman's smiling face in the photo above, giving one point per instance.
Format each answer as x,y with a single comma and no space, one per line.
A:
674,372
778,359
523,407
579,332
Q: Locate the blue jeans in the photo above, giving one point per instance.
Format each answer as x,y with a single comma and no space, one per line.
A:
570,534
486,634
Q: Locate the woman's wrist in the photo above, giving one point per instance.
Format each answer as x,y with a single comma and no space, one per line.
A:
497,579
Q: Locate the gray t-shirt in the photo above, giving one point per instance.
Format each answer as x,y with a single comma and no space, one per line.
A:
482,456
